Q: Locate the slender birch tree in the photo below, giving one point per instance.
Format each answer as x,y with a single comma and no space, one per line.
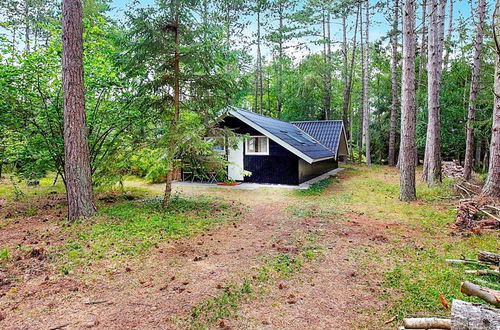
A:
76,148
408,110
432,156
476,63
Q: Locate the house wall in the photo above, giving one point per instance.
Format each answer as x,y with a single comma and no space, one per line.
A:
309,171
279,167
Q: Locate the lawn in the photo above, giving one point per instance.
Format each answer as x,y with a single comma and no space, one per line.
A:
261,243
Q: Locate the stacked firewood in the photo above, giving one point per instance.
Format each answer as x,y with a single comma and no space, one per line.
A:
452,170
465,315
477,213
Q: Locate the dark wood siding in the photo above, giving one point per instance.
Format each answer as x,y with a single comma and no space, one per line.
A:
309,171
279,167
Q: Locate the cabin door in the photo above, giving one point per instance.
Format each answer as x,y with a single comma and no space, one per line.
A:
235,157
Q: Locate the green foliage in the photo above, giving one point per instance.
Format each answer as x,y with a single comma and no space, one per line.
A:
4,254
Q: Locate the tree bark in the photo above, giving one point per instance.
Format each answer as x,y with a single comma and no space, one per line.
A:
427,323
448,35
489,295
394,85
76,149
177,94
366,78
408,111
471,116
466,316
349,74
423,46
492,186
493,258
432,156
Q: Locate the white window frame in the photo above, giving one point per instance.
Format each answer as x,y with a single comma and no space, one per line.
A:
251,153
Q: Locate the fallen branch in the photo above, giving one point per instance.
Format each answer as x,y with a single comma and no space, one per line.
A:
467,261
95,302
489,214
489,295
467,316
427,323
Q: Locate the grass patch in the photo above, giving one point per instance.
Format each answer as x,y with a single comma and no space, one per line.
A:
413,267
131,228
225,305
317,188
4,254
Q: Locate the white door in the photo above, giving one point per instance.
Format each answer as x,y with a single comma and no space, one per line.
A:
235,157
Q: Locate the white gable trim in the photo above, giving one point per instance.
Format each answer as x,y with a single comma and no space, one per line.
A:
275,138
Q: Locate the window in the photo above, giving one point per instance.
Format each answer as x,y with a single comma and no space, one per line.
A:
257,145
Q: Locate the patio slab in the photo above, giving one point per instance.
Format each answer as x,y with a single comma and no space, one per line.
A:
254,186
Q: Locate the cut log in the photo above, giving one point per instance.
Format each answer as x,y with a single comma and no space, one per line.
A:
427,323
483,272
490,257
489,295
467,316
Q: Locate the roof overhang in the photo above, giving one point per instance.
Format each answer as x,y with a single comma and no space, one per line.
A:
276,139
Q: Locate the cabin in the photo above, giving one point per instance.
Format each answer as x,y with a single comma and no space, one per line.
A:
280,152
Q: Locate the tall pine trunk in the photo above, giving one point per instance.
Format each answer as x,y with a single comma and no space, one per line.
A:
366,77
432,156
76,149
492,186
408,110
471,117
349,75
394,86
423,46
448,34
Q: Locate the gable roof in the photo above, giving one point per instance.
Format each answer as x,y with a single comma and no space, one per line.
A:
287,135
328,132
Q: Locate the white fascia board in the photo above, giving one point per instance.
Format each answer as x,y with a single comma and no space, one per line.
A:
273,137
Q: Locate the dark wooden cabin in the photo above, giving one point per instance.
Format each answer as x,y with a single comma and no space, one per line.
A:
280,152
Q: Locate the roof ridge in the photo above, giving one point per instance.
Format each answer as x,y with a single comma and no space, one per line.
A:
261,115
317,121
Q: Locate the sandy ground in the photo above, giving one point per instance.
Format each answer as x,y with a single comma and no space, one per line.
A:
156,291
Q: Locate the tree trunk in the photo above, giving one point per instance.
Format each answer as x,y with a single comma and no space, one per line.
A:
280,59
492,186
177,94
466,316
471,117
448,35
327,97
349,74
76,149
408,111
366,78
432,156
423,46
477,157
394,86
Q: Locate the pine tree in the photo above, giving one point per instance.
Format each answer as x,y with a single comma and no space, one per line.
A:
476,62
76,149
408,110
